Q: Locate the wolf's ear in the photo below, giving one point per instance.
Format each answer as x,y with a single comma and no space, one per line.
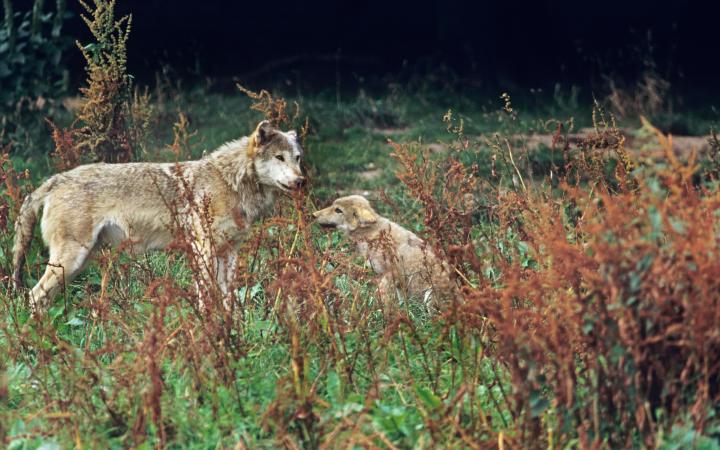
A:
263,132
292,133
363,217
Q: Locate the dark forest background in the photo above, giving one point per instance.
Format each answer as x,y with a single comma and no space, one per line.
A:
499,44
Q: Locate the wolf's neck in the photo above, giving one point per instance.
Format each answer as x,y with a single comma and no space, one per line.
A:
372,232
235,167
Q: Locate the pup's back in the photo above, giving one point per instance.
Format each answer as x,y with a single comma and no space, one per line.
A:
409,263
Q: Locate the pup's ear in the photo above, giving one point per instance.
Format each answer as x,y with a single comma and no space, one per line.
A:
362,216
263,133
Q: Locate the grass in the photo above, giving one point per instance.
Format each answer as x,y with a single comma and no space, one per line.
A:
337,149
350,376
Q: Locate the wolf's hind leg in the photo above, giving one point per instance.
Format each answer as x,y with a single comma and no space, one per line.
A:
66,261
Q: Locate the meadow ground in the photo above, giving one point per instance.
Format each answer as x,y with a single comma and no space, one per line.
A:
580,272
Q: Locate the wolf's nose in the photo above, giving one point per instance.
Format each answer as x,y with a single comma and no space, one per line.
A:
299,182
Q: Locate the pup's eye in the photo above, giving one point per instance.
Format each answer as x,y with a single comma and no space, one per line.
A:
338,210
280,157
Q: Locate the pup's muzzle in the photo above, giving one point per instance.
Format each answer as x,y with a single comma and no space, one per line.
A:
321,222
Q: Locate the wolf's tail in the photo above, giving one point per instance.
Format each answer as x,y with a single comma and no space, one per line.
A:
24,225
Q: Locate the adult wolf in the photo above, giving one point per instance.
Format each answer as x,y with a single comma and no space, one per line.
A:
134,203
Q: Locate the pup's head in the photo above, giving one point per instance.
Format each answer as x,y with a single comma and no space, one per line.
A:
349,214
277,156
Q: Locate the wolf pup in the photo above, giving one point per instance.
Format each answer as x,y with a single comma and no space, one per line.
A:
109,204
403,261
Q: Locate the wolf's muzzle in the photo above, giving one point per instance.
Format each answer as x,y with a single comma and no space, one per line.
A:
299,182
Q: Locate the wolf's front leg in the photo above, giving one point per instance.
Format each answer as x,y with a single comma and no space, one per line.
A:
207,276
227,264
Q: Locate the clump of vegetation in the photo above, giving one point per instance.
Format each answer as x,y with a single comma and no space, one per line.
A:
272,107
113,120
605,334
713,156
648,96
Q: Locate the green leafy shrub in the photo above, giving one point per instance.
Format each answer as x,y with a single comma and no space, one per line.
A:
32,69
31,50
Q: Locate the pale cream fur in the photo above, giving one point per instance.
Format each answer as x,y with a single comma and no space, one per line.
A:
404,263
134,204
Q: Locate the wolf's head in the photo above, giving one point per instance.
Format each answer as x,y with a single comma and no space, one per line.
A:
277,156
348,214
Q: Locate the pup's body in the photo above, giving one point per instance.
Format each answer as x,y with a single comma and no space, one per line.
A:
134,203
403,261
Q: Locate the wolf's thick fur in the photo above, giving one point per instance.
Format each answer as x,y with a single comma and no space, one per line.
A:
402,260
98,204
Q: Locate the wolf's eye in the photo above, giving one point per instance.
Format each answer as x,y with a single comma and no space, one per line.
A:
338,210
280,157
297,158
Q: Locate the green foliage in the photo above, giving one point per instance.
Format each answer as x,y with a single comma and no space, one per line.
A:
33,75
31,51
685,436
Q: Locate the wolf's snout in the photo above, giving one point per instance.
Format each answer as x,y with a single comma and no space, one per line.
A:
299,182
316,214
